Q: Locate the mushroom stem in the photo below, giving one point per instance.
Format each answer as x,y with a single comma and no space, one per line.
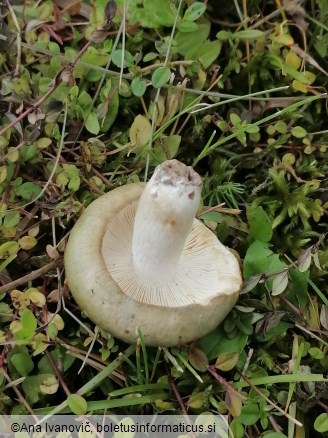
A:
163,220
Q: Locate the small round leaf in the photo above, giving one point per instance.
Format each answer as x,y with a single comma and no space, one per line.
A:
138,87
77,404
160,76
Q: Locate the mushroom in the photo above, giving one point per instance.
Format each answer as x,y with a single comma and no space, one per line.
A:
137,259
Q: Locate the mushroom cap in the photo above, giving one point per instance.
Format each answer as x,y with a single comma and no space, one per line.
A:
99,272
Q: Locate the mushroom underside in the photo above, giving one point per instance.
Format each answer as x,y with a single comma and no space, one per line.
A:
99,267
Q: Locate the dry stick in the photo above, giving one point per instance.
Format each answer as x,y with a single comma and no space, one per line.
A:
260,393
223,382
274,424
29,110
247,362
177,395
96,380
323,405
94,361
58,373
179,399
37,105
59,376
62,160
18,393
95,171
32,275
264,19
14,149
29,215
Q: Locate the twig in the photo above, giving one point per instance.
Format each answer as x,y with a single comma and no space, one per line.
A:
29,110
32,275
18,393
177,395
179,399
223,382
58,373
58,79
260,393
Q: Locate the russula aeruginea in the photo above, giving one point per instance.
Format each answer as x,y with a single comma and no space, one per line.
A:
138,259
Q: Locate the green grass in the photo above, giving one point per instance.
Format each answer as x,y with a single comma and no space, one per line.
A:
239,92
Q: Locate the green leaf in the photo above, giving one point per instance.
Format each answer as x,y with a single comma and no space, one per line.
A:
304,260
28,191
298,132
237,429
194,11
28,152
74,183
259,259
111,112
94,57
197,359
12,218
250,283
138,87
188,26
28,326
252,129
316,353
171,144
31,387
226,361
9,248
233,402
274,435
140,130
54,48
77,404
217,342
206,53
118,57
250,413
244,326
160,76
321,423
260,224
299,286
150,56
279,284
3,174
92,123
274,331
85,99
58,354
234,119
249,34
281,127
23,363
152,13
28,321
186,42
6,262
